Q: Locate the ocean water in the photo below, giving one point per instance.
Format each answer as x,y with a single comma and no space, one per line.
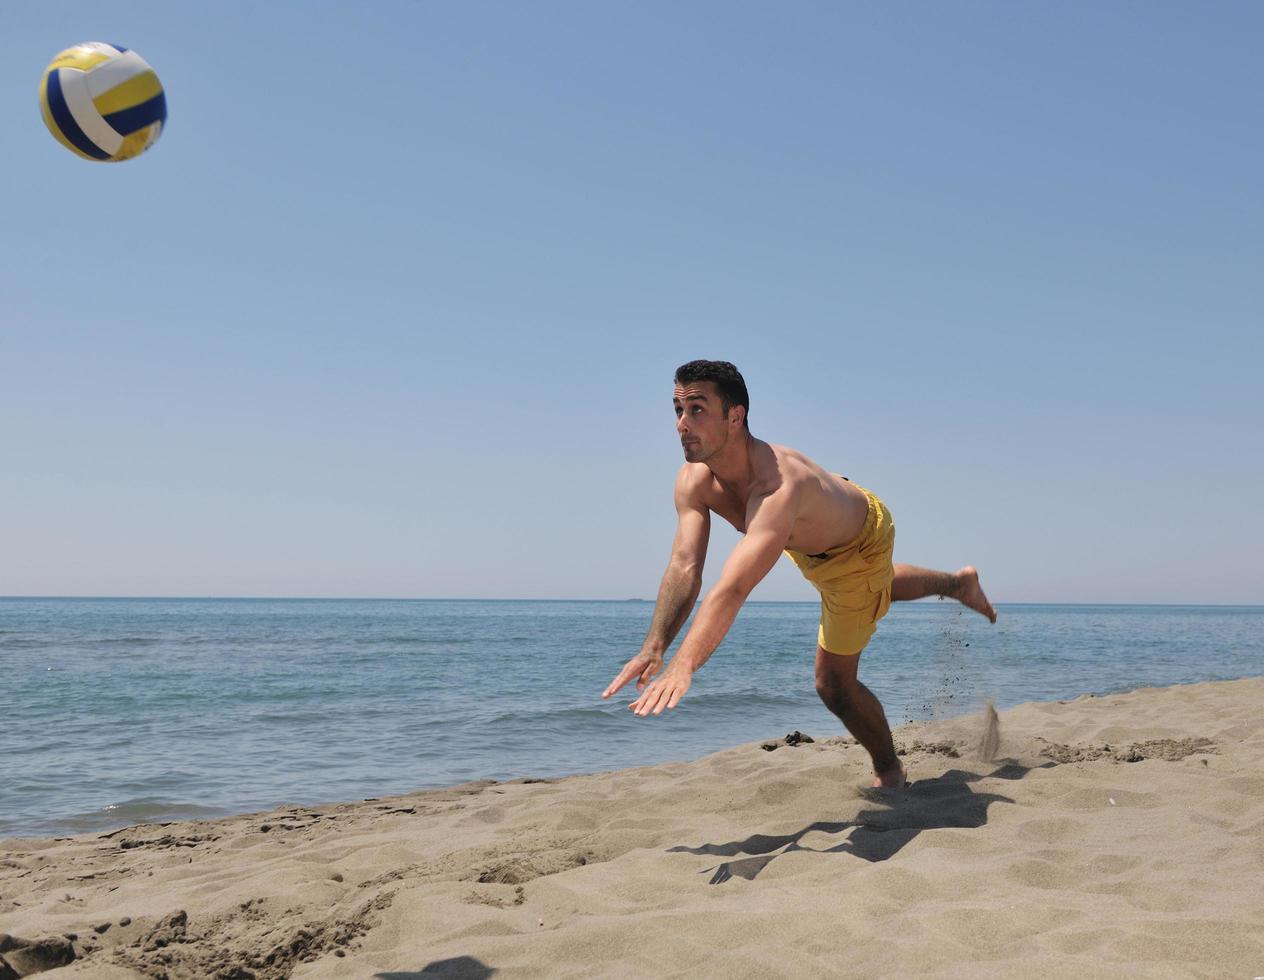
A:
118,711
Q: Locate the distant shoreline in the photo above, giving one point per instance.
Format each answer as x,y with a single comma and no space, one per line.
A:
753,602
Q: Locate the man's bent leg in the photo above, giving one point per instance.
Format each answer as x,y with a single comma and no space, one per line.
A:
860,711
911,582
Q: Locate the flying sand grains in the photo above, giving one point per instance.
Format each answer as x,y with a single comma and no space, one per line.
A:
990,740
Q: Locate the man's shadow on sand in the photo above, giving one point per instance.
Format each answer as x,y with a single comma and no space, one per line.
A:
456,968
875,835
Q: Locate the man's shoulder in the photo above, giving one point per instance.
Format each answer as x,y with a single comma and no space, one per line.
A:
790,455
793,468
694,478
696,487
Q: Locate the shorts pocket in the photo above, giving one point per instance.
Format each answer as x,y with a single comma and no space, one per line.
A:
880,588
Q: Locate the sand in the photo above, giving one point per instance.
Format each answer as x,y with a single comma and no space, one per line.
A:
1117,836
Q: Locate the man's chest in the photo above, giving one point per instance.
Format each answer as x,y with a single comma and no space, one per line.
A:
729,505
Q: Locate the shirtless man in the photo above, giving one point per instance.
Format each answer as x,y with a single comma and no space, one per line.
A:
840,535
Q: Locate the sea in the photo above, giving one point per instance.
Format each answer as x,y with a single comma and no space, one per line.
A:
122,711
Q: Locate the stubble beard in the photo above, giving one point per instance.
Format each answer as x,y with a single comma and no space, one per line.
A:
699,453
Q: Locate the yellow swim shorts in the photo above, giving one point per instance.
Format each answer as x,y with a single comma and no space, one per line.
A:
854,581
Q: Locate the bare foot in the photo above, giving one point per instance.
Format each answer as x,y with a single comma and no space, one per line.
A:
895,778
969,593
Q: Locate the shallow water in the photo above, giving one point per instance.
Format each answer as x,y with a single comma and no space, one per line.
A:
117,711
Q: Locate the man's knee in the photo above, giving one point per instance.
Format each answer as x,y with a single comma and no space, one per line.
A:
832,686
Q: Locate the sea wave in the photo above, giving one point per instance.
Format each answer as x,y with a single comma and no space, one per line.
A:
110,817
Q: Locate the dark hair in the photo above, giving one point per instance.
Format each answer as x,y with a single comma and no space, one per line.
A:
727,379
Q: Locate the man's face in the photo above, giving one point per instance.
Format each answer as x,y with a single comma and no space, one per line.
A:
700,421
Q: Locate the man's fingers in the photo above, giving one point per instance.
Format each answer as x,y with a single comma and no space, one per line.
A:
655,702
665,692
646,697
630,670
619,681
636,667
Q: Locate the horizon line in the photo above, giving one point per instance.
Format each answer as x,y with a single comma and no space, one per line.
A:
813,602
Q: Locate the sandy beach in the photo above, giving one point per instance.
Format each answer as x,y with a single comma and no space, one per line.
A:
1100,837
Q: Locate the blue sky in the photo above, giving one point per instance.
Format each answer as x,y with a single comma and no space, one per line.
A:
393,306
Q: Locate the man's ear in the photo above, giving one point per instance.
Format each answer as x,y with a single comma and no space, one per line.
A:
737,414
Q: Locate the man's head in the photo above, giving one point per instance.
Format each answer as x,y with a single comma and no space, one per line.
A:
711,405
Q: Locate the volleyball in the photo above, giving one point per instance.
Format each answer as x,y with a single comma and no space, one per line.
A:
102,102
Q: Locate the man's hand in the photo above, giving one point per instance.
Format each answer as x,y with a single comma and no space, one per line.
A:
643,666
665,692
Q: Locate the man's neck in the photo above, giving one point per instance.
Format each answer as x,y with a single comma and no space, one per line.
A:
732,467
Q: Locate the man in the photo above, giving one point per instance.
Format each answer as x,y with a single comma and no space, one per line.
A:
840,535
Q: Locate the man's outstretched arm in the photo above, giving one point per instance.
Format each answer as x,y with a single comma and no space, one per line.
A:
769,522
677,592
676,595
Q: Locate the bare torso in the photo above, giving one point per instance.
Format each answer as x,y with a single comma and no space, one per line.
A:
829,511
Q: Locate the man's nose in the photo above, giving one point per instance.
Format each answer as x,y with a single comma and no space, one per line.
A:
681,425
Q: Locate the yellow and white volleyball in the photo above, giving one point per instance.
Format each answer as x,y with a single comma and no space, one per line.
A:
102,102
